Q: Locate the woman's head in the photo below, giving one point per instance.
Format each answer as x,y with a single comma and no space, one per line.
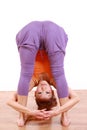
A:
44,94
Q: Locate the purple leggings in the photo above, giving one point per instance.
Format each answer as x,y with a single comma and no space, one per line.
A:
42,35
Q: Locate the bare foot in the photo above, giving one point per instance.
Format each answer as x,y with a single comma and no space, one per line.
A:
22,120
65,120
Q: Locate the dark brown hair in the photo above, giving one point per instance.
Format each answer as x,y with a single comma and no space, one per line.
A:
46,104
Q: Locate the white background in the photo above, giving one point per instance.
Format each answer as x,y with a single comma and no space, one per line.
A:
70,14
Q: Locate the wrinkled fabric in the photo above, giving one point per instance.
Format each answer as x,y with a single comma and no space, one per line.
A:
42,35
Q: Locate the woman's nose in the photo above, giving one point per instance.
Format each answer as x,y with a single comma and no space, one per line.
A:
43,88
43,94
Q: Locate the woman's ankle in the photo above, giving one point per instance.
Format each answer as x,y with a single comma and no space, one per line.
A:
65,120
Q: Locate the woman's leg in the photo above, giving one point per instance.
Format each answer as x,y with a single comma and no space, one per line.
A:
27,58
57,67
65,120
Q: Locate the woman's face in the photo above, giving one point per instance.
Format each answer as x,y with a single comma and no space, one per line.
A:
43,91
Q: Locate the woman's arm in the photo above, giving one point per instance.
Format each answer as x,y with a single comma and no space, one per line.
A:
73,99
15,105
38,114
18,107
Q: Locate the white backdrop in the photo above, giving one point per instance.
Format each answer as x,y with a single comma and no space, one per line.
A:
70,14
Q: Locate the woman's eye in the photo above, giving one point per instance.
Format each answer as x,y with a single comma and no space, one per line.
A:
47,92
39,92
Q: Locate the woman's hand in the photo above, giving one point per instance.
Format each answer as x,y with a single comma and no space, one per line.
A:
49,114
39,114
43,114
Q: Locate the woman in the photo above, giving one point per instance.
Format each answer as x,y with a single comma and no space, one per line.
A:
48,36
46,100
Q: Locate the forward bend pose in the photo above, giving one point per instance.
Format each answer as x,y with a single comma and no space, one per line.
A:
50,37
46,100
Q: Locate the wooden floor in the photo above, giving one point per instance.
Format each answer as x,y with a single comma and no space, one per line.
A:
78,115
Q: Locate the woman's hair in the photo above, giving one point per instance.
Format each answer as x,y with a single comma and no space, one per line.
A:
46,104
46,77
